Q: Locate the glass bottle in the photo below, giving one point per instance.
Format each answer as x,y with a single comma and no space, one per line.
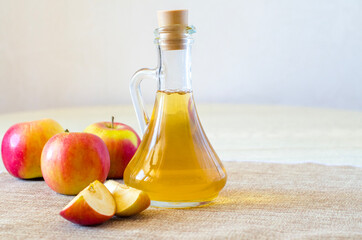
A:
175,163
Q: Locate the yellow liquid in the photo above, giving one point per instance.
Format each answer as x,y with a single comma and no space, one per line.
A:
175,161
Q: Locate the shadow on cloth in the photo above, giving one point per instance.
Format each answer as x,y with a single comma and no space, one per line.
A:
249,199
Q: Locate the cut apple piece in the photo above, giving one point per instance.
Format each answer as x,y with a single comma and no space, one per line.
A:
111,185
93,205
129,201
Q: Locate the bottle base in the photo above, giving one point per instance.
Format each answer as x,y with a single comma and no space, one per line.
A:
161,204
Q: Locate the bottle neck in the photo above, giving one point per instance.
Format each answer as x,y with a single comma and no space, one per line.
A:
174,46
175,69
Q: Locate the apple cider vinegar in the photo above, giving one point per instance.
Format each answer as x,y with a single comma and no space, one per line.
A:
175,163
172,164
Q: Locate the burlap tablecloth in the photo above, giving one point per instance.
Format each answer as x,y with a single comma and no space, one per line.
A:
260,200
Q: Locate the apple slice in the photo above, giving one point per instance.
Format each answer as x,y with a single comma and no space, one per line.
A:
129,201
93,205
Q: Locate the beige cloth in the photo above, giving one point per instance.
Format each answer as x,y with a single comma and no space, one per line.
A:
260,200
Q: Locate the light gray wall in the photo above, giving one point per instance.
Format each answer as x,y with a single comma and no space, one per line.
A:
71,53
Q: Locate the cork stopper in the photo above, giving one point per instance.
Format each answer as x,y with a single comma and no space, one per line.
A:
172,25
172,17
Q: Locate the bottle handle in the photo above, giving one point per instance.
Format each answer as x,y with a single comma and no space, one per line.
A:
136,95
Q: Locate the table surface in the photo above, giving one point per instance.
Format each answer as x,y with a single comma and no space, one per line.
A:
255,133
259,201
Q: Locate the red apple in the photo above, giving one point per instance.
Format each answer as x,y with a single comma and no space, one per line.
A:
22,146
93,205
122,142
71,161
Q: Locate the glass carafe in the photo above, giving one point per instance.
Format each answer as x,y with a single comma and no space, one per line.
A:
175,163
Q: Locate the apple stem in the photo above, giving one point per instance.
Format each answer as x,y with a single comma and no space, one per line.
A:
112,126
66,130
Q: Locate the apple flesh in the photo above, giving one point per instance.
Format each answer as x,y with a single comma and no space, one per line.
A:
93,205
22,146
122,142
129,201
71,161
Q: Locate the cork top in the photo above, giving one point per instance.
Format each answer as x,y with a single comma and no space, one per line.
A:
172,17
172,29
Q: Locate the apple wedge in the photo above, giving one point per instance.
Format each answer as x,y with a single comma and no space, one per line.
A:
93,205
129,201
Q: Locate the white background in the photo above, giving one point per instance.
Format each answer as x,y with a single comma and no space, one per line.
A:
56,53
